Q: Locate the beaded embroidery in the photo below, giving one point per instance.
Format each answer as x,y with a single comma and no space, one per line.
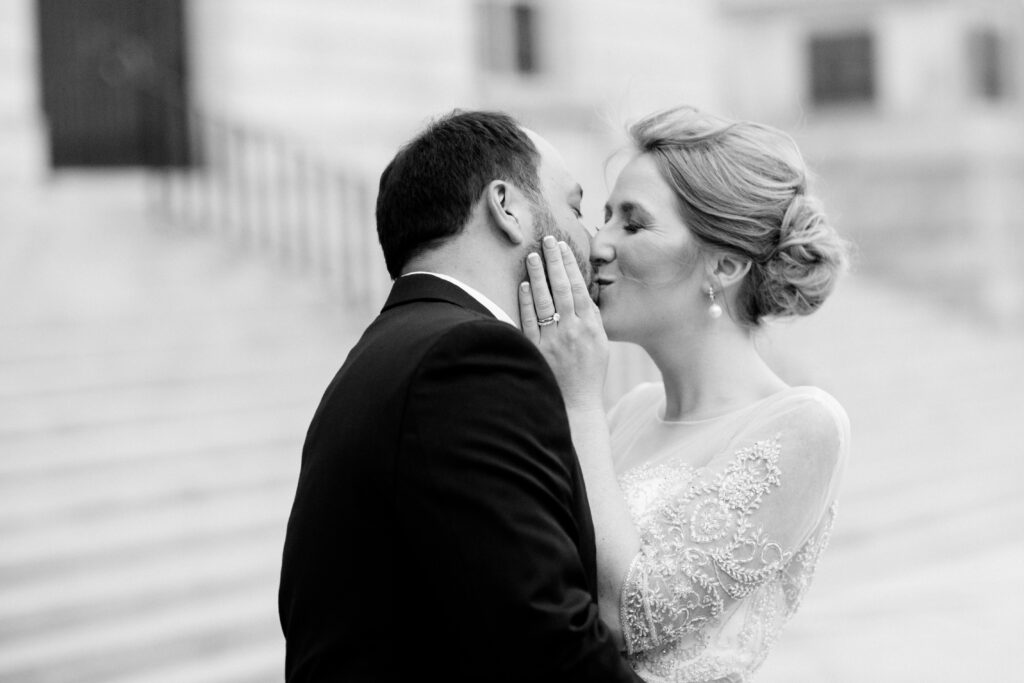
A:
705,560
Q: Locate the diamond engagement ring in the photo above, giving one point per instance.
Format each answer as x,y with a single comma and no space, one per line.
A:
543,322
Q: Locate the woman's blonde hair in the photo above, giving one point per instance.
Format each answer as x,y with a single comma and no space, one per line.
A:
742,187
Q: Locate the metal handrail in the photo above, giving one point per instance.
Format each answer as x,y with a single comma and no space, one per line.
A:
264,193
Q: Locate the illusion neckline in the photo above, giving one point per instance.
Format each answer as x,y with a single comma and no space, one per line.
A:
659,414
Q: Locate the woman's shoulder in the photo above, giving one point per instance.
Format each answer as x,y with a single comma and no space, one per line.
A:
815,401
808,397
809,410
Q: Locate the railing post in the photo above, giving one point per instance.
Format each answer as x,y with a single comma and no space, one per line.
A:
323,220
242,186
259,191
301,192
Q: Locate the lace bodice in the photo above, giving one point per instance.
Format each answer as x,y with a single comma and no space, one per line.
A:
733,513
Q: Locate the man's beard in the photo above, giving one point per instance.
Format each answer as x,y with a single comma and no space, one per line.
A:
544,224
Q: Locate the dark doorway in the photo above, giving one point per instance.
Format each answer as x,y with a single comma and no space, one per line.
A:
114,82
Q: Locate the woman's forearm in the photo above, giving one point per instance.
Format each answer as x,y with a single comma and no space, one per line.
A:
617,539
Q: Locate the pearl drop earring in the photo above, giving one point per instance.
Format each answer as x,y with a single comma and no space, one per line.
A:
714,310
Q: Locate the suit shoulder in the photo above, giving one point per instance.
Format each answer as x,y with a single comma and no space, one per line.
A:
493,357
487,337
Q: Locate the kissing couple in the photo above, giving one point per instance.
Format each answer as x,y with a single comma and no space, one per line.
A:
467,510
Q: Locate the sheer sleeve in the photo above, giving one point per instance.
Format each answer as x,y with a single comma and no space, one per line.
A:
719,532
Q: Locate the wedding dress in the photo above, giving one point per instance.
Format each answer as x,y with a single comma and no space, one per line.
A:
733,513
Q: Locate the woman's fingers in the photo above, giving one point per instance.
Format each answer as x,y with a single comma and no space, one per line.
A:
542,303
527,314
580,290
556,284
561,289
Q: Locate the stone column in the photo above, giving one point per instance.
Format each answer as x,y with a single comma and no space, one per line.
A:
22,138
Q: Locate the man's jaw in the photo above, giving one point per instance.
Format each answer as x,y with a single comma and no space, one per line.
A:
584,264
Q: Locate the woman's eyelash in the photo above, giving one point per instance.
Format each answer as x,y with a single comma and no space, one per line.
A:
632,227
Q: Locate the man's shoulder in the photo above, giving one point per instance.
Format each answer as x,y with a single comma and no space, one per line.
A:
433,316
431,320
470,339
428,333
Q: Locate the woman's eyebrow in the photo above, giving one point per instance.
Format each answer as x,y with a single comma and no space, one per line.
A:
631,210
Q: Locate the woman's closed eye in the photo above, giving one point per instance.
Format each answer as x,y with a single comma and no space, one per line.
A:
632,223
630,227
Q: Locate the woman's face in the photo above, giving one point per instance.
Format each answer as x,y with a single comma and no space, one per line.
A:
646,261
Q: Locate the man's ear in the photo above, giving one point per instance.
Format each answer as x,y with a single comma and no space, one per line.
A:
503,204
729,269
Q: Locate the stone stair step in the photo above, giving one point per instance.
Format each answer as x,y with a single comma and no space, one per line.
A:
94,407
53,600
147,367
44,453
185,629
259,662
104,486
924,542
60,543
208,320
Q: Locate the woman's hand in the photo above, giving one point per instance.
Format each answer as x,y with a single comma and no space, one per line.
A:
565,324
577,349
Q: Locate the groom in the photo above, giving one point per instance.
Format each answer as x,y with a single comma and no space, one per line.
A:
440,529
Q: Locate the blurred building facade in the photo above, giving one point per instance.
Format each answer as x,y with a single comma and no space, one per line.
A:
910,110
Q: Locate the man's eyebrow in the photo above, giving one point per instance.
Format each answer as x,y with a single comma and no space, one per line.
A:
576,192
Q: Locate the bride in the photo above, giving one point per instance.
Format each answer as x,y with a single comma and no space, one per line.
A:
713,491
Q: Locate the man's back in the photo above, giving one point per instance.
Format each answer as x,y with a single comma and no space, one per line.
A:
440,526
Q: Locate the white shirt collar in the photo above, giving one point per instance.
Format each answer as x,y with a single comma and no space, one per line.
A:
494,308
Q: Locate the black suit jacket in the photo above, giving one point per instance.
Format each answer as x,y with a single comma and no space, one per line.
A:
440,529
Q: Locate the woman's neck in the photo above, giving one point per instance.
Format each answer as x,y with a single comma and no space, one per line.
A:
710,373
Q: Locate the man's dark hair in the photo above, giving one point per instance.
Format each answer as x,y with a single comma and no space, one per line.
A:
428,190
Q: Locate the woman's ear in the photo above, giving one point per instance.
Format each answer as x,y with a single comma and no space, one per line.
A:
503,202
729,269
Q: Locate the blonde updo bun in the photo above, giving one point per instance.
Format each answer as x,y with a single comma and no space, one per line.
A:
802,272
742,187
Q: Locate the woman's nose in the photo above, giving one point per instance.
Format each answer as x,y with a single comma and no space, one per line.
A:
601,248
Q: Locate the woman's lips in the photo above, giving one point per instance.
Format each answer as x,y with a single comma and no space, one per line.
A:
597,287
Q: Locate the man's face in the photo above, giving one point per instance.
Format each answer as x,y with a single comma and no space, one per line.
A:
557,213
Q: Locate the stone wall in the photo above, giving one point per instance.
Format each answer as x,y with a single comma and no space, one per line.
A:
351,79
